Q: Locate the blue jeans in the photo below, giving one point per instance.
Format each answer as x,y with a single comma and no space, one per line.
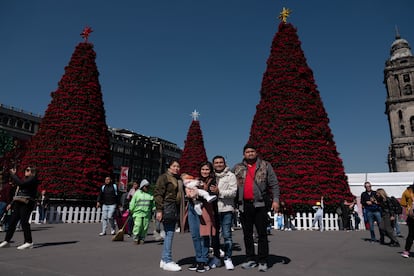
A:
396,225
108,216
42,213
374,216
166,254
201,244
318,218
3,206
226,220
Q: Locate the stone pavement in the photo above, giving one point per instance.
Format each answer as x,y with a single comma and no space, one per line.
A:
76,249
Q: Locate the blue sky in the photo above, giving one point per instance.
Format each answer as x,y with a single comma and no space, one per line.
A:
161,59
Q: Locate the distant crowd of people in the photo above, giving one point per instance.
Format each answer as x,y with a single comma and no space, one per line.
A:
206,205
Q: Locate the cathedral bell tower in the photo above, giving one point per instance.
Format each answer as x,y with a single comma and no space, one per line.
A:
399,106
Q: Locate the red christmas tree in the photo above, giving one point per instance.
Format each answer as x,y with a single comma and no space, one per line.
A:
71,149
290,127
194,152
12,158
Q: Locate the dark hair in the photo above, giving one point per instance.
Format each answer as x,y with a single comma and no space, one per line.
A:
172,161
249,146
32,169
210,166
219,157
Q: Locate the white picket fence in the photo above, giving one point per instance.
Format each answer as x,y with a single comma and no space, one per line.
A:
64,214
303,221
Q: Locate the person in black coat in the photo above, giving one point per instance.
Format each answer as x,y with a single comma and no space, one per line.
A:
23,204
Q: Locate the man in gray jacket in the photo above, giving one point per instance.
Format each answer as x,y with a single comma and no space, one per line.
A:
256,181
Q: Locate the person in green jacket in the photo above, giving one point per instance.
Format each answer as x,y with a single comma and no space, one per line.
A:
141,206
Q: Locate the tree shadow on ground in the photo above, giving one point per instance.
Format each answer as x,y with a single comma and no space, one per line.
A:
39,245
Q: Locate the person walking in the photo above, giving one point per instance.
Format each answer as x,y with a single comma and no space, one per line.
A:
141,207
407,201
108,199
226,189
371,209
387,216
256,181
169,203
6,197
131,192
43,204
23,204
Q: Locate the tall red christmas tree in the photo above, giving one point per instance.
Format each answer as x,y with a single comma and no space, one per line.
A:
71,149
194,152
290,127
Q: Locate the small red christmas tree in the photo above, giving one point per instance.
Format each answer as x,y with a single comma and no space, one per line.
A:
194,152
290,127
71,149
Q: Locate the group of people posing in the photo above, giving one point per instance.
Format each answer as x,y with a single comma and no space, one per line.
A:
205,204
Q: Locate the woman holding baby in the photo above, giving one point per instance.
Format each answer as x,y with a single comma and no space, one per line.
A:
201,226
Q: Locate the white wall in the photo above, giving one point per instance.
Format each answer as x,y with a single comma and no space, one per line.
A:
393,183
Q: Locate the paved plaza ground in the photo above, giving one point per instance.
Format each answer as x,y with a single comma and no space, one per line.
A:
76,249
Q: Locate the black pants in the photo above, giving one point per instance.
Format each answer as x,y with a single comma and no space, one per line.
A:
215,240
257,217
410,236
22,212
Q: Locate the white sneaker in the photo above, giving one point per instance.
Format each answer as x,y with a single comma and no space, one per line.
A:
112,232
26,245
4,244
102,234
211,198
229,264
171,266
162,263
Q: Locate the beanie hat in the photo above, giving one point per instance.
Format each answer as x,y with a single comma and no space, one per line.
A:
249,146
144,183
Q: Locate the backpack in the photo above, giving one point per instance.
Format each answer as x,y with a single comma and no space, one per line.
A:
396,206
115,189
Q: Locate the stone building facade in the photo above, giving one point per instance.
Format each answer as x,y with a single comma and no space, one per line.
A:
146,157
399,105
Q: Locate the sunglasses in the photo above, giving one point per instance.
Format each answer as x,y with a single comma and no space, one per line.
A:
28,170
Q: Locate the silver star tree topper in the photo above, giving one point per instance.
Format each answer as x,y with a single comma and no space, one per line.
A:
195,114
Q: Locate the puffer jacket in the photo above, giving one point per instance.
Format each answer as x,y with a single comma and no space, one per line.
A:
227,185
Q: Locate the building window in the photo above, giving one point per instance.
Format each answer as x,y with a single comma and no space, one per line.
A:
408,90
400,115
402,129
406,78
412,123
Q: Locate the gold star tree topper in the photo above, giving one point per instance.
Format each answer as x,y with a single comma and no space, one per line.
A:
284,14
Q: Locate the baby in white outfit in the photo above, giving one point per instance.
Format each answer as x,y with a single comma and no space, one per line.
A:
194,184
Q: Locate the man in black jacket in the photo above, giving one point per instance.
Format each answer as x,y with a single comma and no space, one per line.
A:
371,210
108,199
